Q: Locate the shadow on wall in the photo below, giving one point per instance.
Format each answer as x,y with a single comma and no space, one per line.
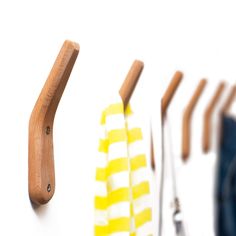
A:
40,210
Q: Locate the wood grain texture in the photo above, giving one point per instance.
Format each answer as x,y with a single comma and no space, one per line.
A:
186,135
206,139
130,81
40,148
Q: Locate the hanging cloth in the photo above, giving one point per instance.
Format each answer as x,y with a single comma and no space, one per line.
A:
226,179
177,214
177,218
122,201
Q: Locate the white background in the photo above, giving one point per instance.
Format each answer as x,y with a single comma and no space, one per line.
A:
197,37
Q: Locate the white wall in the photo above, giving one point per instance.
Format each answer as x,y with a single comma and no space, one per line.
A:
195,37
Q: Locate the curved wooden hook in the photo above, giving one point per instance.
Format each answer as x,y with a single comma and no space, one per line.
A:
165,102
206,141
170,92
187,119
229,100
40,153
130,81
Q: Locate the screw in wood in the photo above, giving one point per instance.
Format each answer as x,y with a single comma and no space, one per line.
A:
48,130
49,188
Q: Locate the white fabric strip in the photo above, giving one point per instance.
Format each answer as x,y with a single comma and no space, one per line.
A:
119,180
119,210
117,150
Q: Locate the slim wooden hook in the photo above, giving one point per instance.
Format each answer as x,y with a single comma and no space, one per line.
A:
40,154
187,119
130,82
207,117
229,100
170,92
165,101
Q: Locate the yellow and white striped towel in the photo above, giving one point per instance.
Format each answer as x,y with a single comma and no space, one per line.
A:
122,204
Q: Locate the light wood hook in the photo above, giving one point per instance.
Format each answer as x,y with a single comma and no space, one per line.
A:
130,81
229,100
187,119
40,154
165,102
206,141
170,92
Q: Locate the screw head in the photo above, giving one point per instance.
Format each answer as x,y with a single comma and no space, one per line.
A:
49,188
48,130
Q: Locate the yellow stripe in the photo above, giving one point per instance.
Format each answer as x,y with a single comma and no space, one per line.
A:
120,135
143,217
140,190
134,135
100,230
138,162
117,196
100,203
117,135
123,224
103,145
128,110
101,174
103,118
114,166
118,165
119,225
114,109
121,195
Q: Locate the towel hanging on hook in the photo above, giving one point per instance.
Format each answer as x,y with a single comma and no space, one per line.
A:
122,186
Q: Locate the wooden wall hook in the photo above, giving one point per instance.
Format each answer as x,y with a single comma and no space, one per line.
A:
226,107
187,119
130,81
165,102
40,154
170,92
206,141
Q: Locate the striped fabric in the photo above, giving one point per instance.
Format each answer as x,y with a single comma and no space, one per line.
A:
122,206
